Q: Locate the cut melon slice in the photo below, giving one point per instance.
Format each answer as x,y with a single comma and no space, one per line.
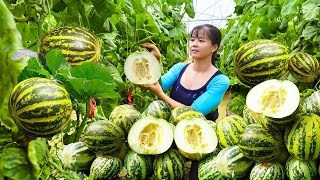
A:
150,135
142,68
274,98
195,138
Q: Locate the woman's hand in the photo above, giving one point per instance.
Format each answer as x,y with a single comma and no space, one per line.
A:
155,88
153,49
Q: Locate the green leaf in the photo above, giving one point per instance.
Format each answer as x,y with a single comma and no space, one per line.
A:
190,10
33,69
289,8
55,61
115,74
175,2
310,31
311,10
92,80
8,122
5,137
14,163
37,153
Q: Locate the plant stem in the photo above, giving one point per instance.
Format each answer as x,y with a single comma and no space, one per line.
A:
84,121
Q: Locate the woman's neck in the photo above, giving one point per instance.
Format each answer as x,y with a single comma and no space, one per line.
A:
202,65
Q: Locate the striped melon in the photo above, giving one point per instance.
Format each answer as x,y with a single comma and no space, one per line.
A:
124,116
138,166
208,169
158,109
179,110
300,169
260,60
104,137
248,115
304,67
260,144
232,164
195,138
268,122
188,115
169,165
77,44
142,68
40,106
229,129
274,98
150,135
303,138
105,168
268,171
311,104
77,156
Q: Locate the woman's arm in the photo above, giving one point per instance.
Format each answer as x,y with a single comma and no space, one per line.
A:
158,91
211,99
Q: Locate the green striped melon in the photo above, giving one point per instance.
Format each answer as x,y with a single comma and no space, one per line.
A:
260,144
231,163
268,122
274,98
104,137
142,67
124,116
105,168
248,115
311,103
158,109
138,166
150,135
169,165
304,67
195,138
300,169
268,171
77,44
40,107
229,129
207,169
188,115
260,60
303,138
77,156
179,110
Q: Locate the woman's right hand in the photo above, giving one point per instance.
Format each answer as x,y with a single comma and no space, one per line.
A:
153,49
155,88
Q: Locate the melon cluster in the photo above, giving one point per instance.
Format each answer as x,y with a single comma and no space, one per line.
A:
156,143
261,60
277,137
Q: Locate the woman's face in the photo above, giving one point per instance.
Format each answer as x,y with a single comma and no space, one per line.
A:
200,46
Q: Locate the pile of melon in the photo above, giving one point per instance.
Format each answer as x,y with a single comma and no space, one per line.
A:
156,143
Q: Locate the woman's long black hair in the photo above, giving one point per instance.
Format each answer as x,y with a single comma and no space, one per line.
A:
213,33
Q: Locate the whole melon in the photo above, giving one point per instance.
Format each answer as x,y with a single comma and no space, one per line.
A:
260,60
40,106
77,44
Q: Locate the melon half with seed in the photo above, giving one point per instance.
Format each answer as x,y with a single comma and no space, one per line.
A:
150,136
142,68
274,98
195,138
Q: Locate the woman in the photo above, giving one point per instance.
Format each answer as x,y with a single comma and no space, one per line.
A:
198,84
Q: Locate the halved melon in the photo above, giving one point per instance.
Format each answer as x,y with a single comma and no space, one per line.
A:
195,138
142,68
274,98
150,135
